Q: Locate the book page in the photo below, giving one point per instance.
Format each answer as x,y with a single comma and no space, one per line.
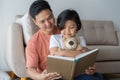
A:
61,57
73,59
85,53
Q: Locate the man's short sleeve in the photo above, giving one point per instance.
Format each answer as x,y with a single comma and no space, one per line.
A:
31,55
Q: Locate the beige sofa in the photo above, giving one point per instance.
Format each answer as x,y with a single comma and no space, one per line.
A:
98,34
102,35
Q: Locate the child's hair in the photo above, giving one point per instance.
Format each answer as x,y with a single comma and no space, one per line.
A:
68,15
37,6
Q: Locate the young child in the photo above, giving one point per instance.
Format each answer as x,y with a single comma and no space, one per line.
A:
68,22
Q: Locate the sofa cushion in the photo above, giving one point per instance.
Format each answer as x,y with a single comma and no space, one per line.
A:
108,67
107,53
99,32
29,28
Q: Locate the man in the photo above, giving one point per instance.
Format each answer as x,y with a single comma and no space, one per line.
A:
37,47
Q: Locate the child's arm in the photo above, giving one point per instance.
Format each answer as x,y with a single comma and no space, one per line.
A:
54,44
69,53
53,50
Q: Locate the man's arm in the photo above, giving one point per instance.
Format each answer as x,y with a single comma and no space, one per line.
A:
34,74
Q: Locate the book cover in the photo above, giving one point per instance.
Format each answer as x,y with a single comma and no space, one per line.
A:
70,67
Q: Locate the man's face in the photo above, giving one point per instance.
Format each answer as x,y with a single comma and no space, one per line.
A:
45,21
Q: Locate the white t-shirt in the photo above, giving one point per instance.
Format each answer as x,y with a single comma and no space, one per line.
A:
56,41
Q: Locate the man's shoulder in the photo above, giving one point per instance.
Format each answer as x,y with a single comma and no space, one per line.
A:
35,37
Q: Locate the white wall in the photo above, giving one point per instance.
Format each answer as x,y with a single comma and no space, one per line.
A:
91,9
8,9
87,9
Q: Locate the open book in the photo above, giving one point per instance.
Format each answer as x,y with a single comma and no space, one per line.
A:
70,67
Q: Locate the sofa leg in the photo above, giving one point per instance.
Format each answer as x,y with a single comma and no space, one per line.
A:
12,75
23,79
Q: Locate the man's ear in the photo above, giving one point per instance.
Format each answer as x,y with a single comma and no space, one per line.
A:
34,21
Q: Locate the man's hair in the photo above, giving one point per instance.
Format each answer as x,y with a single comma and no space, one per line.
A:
68,15
37,6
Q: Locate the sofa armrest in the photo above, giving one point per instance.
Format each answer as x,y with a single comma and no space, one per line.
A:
15,55
118,34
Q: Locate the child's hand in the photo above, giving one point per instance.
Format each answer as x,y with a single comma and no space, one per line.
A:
90,70
58,54
53,54
60,49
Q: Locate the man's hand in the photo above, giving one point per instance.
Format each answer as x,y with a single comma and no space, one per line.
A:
90,70
50,76
34,74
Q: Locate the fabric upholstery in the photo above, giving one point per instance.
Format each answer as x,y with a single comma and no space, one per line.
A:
29,28
99,32
108,53
15,55
108,66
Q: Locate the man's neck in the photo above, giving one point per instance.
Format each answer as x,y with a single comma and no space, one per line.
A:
47,33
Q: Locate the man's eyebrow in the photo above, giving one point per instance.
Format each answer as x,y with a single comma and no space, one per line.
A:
50,16
46,18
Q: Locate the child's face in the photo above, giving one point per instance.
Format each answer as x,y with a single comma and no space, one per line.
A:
69,29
